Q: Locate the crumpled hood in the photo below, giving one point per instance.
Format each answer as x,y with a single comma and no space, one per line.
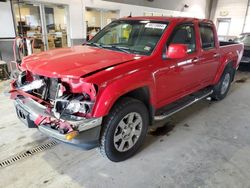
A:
74,62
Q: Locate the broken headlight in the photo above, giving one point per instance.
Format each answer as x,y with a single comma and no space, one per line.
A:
36,84
72,107
75,106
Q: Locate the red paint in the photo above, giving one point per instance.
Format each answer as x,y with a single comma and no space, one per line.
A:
177,51
73,62
116,73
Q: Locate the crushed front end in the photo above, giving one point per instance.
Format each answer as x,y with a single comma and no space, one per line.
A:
59,107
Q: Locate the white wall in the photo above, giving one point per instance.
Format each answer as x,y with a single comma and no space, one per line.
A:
234,9
6,21
75,16
197,8
76,11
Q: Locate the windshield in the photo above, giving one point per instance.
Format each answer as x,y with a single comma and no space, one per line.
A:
130,36
243,38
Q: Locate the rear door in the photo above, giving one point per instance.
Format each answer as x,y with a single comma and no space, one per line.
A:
209,58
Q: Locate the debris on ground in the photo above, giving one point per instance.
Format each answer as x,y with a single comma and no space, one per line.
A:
163,130
242,80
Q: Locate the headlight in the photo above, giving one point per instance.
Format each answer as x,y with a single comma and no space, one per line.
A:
75,106
33,85
72,107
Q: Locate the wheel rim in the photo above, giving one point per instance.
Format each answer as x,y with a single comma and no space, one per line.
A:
128,131
225,84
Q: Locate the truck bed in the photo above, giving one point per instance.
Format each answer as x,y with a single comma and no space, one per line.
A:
227,43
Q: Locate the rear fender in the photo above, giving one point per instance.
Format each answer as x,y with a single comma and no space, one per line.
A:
228,60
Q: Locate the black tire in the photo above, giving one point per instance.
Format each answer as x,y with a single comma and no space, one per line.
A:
220,92
120,110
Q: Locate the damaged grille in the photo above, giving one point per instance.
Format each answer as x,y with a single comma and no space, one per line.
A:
47,92
53,82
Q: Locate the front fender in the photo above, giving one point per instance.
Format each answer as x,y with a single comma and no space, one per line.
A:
110,92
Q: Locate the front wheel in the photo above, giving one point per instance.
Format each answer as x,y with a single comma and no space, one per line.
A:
222,87
124,129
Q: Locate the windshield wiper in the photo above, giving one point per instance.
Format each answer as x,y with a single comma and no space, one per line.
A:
120,48
94,44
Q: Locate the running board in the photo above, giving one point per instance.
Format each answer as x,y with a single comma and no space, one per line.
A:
179,105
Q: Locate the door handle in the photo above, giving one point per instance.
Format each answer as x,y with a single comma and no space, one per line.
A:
216,55
195,59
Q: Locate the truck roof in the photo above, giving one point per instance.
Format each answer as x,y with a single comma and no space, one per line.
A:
166,18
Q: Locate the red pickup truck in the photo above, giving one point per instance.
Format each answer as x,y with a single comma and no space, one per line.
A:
135,71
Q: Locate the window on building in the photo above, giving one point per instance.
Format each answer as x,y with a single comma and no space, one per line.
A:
223,26
45,24
246,28
97,19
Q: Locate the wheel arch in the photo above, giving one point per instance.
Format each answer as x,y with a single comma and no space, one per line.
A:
232,63
142,93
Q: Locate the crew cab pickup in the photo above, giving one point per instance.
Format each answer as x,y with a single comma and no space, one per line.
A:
135,71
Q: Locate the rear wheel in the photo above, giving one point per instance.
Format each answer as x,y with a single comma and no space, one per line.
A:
124,129
222,87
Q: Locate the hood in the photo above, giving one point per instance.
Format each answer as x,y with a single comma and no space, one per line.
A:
74,62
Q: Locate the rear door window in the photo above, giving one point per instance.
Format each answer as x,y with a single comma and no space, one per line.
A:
207,37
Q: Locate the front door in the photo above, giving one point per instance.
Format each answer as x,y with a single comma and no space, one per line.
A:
176,77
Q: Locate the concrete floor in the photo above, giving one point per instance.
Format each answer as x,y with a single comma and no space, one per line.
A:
205,145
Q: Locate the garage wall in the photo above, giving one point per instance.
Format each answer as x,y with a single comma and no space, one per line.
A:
7,32
197,8
6,21
75,17
234,10
77,33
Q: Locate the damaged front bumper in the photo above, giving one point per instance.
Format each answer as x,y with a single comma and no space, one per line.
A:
85,132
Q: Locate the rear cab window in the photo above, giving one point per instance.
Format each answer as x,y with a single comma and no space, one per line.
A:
207,36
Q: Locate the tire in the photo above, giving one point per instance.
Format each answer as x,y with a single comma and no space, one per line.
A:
124,129
222,87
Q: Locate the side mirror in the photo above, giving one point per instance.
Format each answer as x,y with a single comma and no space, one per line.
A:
176,51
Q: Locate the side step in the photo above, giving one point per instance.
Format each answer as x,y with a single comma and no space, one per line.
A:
181,104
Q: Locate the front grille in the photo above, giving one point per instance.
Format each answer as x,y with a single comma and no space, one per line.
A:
53,82
47,92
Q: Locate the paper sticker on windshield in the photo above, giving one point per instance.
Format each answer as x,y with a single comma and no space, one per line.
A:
147,48
156,25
